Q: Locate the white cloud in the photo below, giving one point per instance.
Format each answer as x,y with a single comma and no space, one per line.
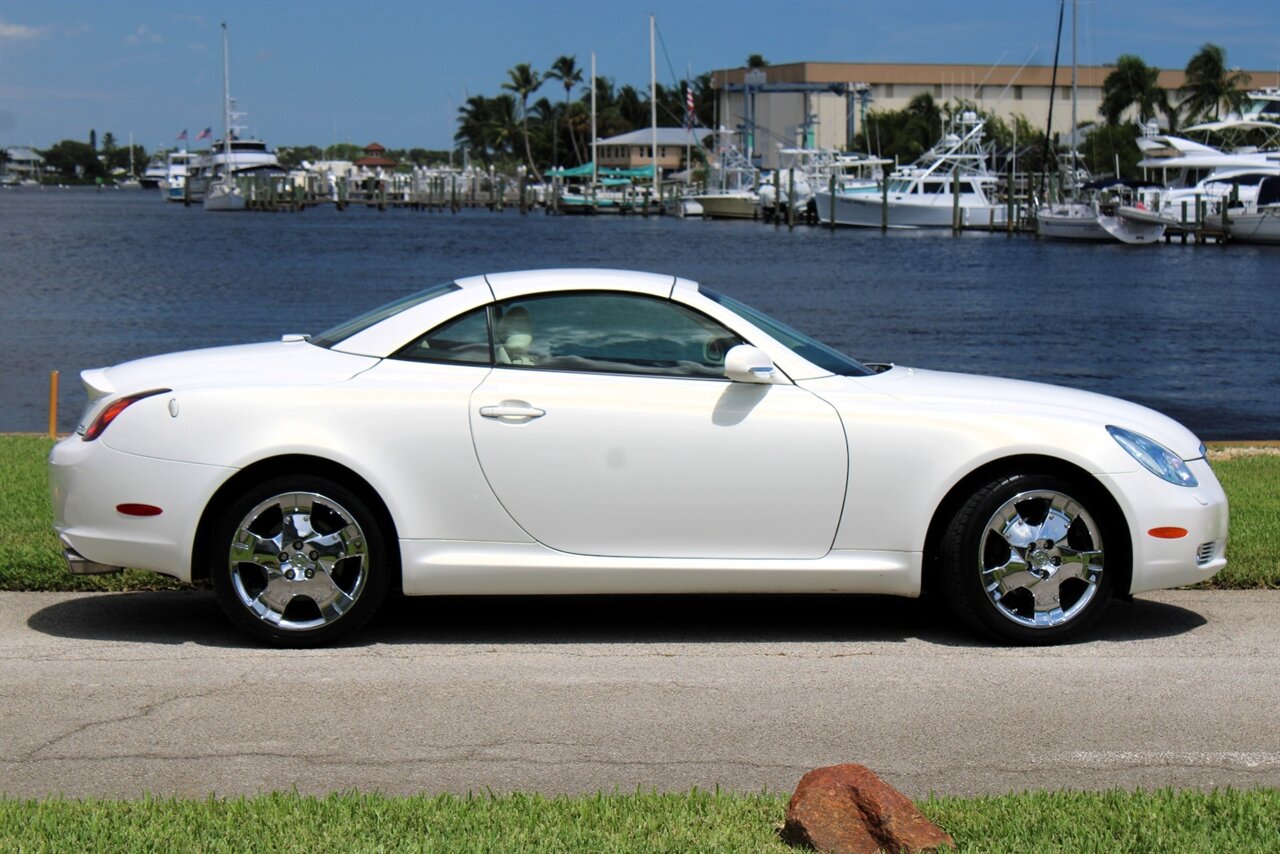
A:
143,36
18,32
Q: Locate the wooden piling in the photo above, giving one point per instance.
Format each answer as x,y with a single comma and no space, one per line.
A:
53,404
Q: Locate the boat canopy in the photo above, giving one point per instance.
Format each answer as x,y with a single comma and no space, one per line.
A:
586,170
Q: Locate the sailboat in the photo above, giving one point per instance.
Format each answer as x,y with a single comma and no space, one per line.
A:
1114,210
223,194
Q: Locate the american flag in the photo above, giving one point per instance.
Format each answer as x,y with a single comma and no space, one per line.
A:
688,102
205,134
182,136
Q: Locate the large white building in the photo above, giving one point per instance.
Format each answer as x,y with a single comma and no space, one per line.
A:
822,103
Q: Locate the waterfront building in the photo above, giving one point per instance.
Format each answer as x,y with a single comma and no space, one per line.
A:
824,104
23,164
634,150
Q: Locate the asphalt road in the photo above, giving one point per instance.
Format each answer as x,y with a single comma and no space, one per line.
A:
121,694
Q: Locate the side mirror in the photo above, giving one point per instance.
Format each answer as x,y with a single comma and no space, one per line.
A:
747,364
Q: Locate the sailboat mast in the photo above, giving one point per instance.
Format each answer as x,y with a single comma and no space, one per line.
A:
595,163
1074,9
226,104
653,108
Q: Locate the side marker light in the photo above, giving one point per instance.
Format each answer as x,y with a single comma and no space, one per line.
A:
1168,533
138,509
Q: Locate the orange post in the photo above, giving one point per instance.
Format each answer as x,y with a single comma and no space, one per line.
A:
53,404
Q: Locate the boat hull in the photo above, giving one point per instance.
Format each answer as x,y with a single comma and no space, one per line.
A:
728,206
866,210
1261,227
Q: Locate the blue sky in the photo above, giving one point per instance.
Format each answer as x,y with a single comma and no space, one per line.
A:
327,71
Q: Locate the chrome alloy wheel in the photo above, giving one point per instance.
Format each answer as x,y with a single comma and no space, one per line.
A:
298,561
1041,559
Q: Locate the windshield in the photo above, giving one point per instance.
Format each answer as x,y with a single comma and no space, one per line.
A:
343,331
809,349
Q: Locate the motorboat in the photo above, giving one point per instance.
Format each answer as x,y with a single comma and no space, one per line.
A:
1198,176
731,192
178,165
1258,222
949,181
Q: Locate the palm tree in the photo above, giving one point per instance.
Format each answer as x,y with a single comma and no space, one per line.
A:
1132,83
524,82
487,126
566,70
1210,85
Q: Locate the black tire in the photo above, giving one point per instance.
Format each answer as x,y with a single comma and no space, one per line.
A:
1025,558
306,581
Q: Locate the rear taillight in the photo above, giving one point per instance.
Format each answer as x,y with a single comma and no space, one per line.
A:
106,416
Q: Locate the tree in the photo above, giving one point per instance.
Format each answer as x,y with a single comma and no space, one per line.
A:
755,60
566,70
93,139
1132,84
73,159
487,126
524,82
1210,85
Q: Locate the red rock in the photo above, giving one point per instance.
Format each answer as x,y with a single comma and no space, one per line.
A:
847,809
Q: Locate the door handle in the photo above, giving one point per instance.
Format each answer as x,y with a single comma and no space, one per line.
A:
510,409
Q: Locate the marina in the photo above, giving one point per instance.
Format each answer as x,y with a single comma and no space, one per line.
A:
94,278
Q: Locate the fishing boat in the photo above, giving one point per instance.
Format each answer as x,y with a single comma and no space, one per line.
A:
731,192
949,182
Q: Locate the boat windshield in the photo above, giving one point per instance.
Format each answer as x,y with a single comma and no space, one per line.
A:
809,349
343,331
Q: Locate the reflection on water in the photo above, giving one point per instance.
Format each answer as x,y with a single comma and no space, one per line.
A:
94,278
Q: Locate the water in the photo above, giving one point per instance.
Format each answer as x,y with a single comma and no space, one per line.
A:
91,278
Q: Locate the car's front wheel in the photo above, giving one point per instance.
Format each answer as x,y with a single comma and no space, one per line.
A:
298,561
1025,558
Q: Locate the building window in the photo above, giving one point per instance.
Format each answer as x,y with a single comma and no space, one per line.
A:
1017,93
888,90
937,90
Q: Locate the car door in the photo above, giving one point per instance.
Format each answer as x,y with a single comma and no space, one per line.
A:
607,428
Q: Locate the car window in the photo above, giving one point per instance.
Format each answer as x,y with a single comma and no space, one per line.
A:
463,339
610,333
809,349
345,330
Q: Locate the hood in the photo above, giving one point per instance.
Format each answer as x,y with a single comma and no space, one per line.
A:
995,394
293,361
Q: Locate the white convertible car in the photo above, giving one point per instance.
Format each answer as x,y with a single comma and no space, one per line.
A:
594,431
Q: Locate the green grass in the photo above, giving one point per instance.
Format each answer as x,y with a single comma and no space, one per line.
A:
1252,484
30,558
1116,821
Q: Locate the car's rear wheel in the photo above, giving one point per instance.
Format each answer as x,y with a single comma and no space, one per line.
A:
298,561
1025,558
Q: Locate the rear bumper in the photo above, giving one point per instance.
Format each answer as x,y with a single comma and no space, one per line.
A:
89,481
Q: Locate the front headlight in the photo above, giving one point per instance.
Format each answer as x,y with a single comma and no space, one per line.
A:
1154,457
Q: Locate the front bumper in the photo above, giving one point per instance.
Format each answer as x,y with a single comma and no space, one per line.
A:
1150,503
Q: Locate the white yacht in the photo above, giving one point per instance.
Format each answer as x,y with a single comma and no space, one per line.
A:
924,194
1258,222
1197,173
177,166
